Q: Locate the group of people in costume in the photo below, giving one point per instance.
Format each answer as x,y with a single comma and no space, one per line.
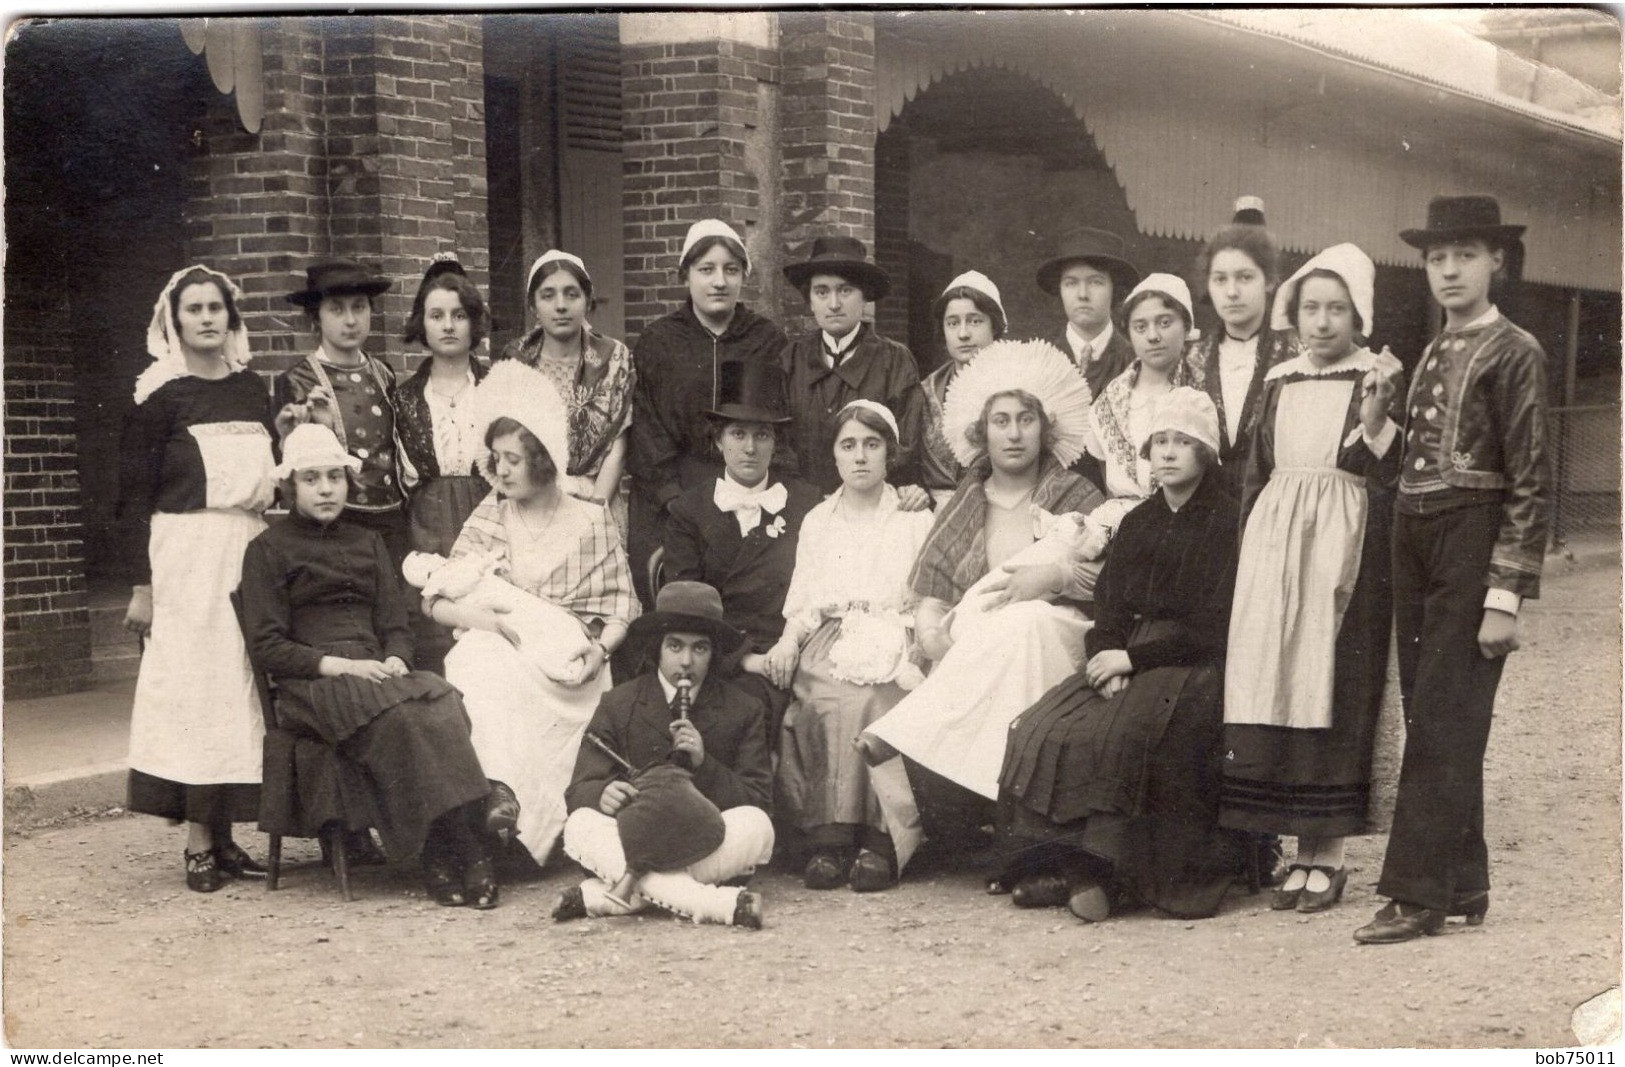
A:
1107,613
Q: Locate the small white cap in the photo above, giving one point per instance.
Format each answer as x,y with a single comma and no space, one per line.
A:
975,279
553,255
1346,261
711,228
312,446
1171,286
1187,411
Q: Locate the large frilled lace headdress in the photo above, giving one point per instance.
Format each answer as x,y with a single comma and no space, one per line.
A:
1035,367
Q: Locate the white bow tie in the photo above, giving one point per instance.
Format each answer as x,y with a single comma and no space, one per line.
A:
747,504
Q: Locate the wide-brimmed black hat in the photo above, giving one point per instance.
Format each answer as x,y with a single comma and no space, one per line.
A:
337,277
843,256
687,607
1456,218
750,392
1098,248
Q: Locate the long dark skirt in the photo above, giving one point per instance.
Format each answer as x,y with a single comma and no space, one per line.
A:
1317,783
409,761
435,515
1127,788
212,805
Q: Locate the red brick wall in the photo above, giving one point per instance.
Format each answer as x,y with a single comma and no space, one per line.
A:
828,132
699,123
47,624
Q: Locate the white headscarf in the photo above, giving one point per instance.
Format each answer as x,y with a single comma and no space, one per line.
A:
164,343
1346,261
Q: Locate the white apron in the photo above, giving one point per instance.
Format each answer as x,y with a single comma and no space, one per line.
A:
1300,556
197,717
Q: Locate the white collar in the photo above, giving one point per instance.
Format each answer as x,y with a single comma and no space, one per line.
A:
1096,346
760,487
1483,320
841,343
1361,359
671,690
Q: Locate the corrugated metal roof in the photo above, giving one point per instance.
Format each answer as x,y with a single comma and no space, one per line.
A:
1337,159
1410,43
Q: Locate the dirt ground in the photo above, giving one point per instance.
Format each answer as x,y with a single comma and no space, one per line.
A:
104,947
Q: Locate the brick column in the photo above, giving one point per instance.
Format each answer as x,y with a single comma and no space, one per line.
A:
373,148
828,132
47,621
257,204
699,95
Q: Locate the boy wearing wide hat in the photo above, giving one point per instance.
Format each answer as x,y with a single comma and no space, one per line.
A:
673,782
350,392
1469,540
842,358
1090,276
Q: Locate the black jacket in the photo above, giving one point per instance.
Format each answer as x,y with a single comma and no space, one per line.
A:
633,719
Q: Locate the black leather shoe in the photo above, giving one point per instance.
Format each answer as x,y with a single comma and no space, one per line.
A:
235,863
480,885
1040,891
748,912
202,872
1089,901
501,811
1472,907
1310,902
824,871
571,905
1400,922
1287,899
443,885
872,872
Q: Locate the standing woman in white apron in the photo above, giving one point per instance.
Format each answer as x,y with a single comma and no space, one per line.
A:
1309,626
196,474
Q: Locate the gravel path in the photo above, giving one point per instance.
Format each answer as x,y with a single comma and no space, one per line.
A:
104,947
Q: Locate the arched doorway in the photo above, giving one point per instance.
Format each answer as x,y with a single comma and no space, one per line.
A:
982,170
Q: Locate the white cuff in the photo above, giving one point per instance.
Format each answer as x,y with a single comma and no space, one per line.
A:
1380,444
1502,600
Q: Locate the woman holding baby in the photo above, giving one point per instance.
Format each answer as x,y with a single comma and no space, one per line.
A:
993,580
529,695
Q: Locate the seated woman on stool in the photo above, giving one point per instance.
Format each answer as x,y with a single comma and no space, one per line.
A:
326,617
1111,781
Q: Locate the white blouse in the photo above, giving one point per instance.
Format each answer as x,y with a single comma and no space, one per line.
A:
1236,362
459,442
844,560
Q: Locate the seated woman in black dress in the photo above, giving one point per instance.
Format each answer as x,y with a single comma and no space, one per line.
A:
1110,783
327,618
